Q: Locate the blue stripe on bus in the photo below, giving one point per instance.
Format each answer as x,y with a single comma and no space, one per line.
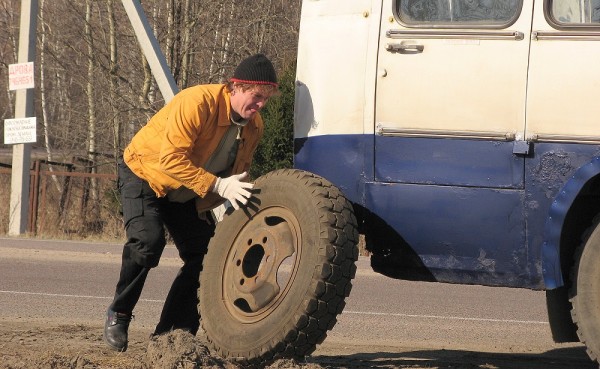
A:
456,162
473,211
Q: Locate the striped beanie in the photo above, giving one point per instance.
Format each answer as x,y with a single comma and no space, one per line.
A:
256,69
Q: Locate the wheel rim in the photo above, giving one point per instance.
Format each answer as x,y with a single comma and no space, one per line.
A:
261,265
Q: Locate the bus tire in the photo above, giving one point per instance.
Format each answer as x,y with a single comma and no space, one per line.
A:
277,271
584,294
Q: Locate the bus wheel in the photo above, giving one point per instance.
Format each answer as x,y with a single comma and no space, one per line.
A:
585,293
277,272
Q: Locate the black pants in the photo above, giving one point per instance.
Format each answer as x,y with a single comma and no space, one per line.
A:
145,216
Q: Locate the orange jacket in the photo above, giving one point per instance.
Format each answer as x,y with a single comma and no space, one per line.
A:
171,149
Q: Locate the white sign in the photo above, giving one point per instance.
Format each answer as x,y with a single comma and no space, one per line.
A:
20,76
20,130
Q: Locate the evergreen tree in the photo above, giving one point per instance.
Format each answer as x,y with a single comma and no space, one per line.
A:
276,149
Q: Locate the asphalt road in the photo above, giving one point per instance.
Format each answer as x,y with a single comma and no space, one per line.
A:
72,282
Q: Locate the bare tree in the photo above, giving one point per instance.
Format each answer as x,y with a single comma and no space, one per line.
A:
91,62
189,24
213,65
116,122
45,121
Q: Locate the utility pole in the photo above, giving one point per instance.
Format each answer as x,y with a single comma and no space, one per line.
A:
156,59
21,159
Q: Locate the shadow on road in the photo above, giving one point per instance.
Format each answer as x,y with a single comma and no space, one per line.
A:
572,357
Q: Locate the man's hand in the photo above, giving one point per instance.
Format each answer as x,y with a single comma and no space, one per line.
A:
233,189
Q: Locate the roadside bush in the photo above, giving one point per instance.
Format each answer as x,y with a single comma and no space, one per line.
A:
276,149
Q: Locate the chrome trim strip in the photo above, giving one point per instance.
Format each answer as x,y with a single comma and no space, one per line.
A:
565,36
478,35
542,137
472,135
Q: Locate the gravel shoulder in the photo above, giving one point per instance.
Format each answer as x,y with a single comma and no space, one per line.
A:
39,345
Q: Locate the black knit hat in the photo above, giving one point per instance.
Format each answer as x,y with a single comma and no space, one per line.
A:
256,69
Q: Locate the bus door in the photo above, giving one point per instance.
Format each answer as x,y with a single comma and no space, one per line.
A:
449,129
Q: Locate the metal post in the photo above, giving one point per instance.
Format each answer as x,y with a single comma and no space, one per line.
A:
34,197
19,195
151,48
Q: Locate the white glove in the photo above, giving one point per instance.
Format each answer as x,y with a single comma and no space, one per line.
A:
233,189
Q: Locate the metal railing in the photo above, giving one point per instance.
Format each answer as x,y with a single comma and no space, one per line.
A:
70,202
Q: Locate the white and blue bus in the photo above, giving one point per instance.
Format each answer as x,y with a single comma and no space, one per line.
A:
466,135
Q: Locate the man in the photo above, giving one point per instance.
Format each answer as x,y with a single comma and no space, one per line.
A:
192,156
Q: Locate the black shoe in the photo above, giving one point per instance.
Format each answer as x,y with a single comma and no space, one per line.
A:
115,330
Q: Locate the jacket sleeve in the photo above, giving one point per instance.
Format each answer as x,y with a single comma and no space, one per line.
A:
184,123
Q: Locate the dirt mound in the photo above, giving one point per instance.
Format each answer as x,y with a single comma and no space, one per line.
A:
26,346
180,349
291,364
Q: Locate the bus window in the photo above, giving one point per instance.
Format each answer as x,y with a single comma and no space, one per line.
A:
466,13
573,12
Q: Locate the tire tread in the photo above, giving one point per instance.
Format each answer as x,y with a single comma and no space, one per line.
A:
331,283
579,318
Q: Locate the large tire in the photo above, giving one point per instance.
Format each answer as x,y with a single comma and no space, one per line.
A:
585,292
278,271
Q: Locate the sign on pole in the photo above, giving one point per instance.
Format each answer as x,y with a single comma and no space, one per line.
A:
19,130
20,76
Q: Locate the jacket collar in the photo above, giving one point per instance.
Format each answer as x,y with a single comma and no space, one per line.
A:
224,108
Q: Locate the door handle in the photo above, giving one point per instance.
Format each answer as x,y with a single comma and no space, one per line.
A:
405,48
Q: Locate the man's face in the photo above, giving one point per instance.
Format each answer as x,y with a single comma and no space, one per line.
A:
247,103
